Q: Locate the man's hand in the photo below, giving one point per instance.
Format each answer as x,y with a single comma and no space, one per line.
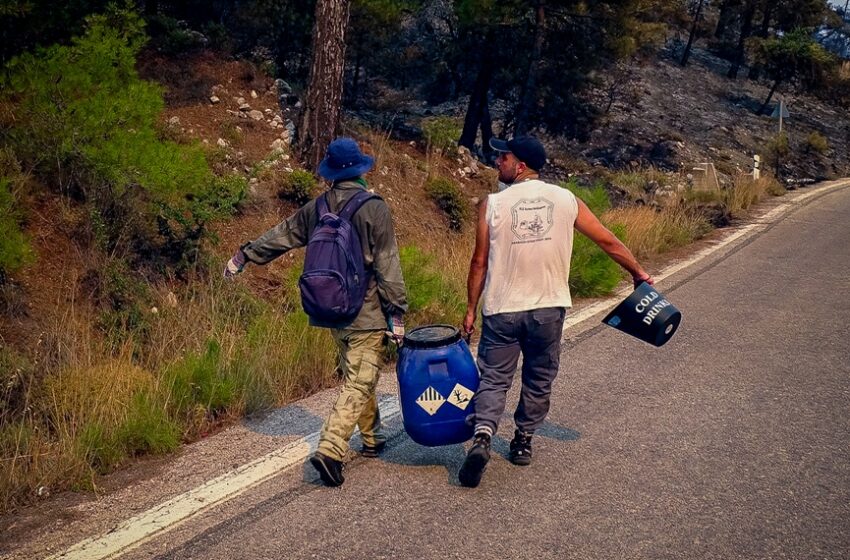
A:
641,278
235,264
469,323
395,329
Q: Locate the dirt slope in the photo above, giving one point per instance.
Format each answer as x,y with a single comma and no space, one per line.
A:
679,116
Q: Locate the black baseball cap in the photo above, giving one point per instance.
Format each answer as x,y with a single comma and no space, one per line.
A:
527,149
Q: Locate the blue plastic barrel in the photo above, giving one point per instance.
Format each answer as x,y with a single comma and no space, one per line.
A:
437,379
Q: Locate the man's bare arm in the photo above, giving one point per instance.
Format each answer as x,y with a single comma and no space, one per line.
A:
477,268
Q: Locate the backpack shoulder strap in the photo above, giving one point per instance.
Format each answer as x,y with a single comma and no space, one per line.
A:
354,203
322,207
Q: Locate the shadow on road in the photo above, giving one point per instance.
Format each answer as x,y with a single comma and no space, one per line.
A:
292,420
402,450
295,420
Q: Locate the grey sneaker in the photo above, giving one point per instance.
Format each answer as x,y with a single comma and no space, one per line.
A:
476,461
520,453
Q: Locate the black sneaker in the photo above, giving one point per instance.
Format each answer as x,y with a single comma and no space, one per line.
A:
520,453
330,470
476,461
372,451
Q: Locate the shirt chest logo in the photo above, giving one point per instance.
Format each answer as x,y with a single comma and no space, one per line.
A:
531,219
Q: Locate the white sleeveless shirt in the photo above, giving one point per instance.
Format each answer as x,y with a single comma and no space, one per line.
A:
531,244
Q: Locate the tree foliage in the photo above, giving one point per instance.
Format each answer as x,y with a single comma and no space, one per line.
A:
793,58
739,20
374,39
85,123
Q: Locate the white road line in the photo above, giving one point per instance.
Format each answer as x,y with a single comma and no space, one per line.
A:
765,221
167,515
136,530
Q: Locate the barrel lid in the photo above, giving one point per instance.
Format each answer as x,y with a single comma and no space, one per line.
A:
431,336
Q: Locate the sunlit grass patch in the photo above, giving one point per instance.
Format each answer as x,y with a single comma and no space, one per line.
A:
746,191
650,232
433,297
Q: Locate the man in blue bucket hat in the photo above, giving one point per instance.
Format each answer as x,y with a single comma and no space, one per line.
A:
358,340
521,265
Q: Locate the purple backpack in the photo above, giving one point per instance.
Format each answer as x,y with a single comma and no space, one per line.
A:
333,285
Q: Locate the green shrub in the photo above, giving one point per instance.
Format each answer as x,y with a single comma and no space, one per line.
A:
87,124
124,299
218,37
171,36
448,197
595,197
638,184
779,146
97,447
182,228
297,186
431,296
817,143
70,97
15,250
232,133
592,272
442,133
198,382
147,428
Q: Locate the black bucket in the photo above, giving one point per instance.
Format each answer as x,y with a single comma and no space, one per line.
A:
647,315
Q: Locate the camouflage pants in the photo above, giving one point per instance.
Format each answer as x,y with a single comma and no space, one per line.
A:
356,405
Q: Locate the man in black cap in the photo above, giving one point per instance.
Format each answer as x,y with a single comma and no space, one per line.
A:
359,339
521,265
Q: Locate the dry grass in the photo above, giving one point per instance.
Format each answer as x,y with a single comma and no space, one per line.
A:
401,168
651,232
27,462
217,350
211,352
745,192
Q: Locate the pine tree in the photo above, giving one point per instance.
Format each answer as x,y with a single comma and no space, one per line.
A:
320,117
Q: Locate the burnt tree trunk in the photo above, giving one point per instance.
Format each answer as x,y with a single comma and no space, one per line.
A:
746,31
755,71
766,103
529,90
687,53
320,117
727,15
478,110
486,131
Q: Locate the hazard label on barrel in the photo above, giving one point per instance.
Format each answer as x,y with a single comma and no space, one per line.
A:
430,400
460,396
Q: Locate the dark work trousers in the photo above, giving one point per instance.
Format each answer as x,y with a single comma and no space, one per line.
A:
535,333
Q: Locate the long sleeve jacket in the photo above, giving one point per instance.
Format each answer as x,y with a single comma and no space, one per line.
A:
386,293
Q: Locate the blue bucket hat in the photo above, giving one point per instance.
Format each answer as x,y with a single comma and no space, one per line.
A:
344,160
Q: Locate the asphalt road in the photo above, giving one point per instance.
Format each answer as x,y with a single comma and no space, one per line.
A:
732,441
